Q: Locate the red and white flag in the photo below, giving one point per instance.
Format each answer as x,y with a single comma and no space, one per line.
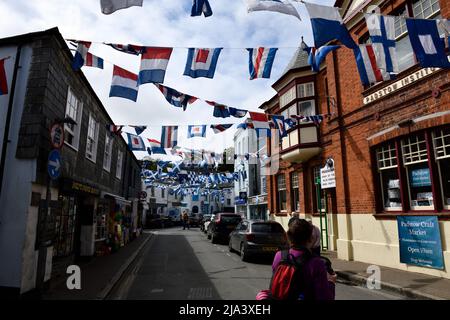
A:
259,120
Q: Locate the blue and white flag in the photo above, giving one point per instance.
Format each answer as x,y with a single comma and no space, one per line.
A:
197,131
218,128
175,98
202,62
169,136
80,56
199,7
261,61
237,113
317,56
382,35
327,25
110,6
278,120
220,110
135,143
427,44
139,129
272,5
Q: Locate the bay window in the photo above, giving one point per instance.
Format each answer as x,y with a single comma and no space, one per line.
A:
305,90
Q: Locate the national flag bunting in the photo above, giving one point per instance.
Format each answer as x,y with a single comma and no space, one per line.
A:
259,120
260,62
169,136
126,48
237,113
278,120
218,128
139,129
93,61
369,71
202,62
199,7
155,147
80,55
154,63
317,56
111,6
135,143
220,110
3,81
124,84
111,128
197,131
272,5
175,98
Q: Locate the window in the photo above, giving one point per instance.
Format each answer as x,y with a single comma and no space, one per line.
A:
287,97
119,164
441,141
92,139
415,158
389,180
291,140
264,185
74,110
65,227
295,192
281,185
424,9
307,108
305,90
108,151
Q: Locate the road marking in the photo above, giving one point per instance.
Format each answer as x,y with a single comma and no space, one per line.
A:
157,290
200,293
228,254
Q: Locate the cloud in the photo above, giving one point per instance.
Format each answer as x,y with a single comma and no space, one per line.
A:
168,23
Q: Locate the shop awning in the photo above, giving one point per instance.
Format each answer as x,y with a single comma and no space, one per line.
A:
118,199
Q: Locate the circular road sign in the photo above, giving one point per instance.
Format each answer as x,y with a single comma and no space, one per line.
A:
57,136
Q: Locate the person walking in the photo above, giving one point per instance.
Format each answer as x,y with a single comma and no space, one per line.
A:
185,219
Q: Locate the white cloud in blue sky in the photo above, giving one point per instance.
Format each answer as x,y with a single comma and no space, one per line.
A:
168,23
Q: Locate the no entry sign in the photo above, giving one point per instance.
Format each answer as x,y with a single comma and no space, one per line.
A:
57,136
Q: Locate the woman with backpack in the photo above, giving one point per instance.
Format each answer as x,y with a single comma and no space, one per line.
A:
298,274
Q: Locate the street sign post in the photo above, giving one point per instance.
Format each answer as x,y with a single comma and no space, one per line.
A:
57,135
54,164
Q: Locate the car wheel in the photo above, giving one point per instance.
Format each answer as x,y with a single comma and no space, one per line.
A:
244,256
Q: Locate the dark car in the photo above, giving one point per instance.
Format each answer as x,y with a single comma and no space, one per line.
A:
194,220
222,225
253,238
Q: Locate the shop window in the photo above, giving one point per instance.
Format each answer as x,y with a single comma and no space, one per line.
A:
74,110
65,227
305,90
441,140
92,139
282,196
108,152
295,192
415,159
389,180
119,164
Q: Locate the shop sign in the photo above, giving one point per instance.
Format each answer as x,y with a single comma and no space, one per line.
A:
420,241
420,178
327,175
422,73
84,188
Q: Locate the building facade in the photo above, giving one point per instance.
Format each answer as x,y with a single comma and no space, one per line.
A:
92,208
389,143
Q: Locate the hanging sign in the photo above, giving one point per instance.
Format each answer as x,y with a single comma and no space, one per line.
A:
420,241
327,175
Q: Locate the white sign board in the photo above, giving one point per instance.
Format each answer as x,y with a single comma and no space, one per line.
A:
327,178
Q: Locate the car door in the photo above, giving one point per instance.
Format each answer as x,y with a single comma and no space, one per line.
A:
234,236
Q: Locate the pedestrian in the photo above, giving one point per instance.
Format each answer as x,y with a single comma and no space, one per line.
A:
315,247
185,218
317,283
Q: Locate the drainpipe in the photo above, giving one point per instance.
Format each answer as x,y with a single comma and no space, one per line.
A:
8,116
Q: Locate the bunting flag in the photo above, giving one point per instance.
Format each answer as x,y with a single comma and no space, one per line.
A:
327,25
290,122
169,136
220,110
427,44
272,5
124,84
369,71
154,63
218,128
111,6
113,129
199,7
197,131
278,120
135,143
202,62
382,36
126,48
259,120
317,56
80,56
237,113
260,62
175,98
139,129
155,147
3,81
93,61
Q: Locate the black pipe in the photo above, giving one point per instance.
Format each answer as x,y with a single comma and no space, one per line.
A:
8,117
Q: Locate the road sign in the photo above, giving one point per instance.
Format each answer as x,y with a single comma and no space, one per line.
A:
57,136
54,164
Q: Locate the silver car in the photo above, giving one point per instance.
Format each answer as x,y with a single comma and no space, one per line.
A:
207,222
253,238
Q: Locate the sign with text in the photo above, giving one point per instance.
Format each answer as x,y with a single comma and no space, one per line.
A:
420,241
328,177
420,178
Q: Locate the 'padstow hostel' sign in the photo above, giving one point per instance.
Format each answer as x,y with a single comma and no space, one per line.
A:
420,241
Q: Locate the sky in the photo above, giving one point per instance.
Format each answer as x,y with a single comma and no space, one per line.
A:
168,24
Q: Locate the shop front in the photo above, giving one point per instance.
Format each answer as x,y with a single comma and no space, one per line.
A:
258,207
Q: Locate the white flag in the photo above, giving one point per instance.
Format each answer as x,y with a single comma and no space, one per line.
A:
110,6
272,5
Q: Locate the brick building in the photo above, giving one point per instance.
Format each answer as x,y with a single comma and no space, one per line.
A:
96,197
390,143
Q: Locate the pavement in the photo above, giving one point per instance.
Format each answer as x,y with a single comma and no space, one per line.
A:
409,284
175,264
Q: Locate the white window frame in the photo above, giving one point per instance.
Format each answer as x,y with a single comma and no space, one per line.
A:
305,90
313,105
287,97
438,157
295,185
71,109
283,178
92,156
387,160
420,3
108,153
119,164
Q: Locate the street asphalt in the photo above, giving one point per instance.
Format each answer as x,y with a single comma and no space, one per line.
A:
181,264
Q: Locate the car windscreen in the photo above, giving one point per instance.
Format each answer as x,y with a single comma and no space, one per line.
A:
267,228
230,219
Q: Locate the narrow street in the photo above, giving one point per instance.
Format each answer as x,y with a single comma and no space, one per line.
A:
183,264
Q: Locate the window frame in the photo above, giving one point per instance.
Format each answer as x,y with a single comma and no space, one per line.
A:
92,156
107,158
75,132
295,185
281,189
119,164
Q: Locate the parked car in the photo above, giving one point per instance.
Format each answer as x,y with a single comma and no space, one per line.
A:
194,220
155,221
222,225
207,222
253,238
205,218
